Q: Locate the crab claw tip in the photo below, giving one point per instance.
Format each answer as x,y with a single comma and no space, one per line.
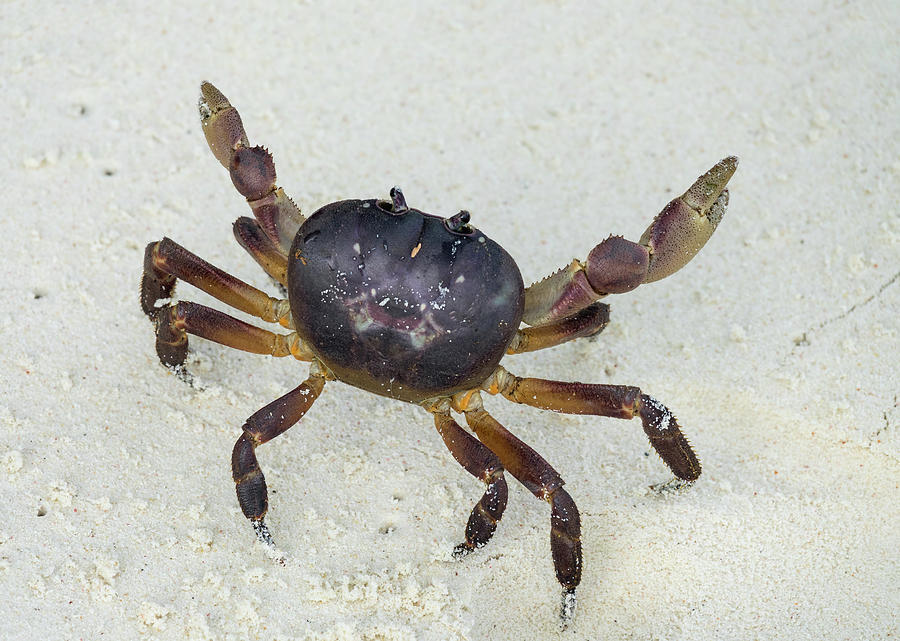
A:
211,100
706,189
686,223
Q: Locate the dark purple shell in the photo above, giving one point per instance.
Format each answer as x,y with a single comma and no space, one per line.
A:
400,305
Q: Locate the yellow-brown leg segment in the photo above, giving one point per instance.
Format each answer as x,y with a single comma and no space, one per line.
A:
483,464
616,401
264,425
165,261
174,322
544,482
588,322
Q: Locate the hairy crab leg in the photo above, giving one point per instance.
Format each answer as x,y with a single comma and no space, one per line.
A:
252,169
263,426
539,477
617,265
616,401
165,261
590,321
175,322
483,464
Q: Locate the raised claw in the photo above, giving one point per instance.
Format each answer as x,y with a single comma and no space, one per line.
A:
685,224
222,124
616,265
252,169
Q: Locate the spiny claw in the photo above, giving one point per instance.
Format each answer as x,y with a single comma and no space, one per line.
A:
222,124
686,223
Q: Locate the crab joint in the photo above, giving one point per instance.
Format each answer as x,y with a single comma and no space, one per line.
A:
467,401
500,382
285,344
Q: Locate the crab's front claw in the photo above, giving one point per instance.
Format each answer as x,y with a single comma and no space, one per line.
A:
685,224
222,124
252,171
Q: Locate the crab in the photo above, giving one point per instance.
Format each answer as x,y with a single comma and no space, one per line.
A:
421,308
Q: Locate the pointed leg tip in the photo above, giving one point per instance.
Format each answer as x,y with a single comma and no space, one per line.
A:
262,533
183,375
462,550
674,485
567,609
265,537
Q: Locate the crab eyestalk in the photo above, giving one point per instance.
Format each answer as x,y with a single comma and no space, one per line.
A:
398,200
458,222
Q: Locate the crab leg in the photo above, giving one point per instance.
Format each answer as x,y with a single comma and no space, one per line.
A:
165,261
590,321
252,169
617,265
616,401
175,322
483,464
251,236
539,477
264,425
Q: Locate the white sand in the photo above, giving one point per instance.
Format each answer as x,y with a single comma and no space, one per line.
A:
555,123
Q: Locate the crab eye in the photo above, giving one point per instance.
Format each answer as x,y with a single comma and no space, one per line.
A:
397,205
459,223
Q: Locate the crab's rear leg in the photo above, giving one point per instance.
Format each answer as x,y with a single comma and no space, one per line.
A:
539,477
483,464
264,425
617,265
252,169
616,401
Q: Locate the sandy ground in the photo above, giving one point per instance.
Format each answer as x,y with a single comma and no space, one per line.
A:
555,123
